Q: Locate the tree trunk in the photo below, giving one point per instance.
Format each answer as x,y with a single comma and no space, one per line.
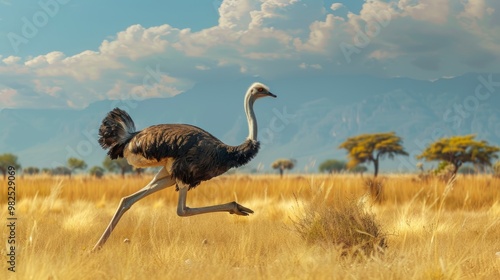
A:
375,163
281,173
456,166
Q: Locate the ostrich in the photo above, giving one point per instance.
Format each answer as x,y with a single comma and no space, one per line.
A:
187,154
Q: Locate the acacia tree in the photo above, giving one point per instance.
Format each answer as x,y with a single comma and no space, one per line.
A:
282,164
358,169
31,170
332,165
74,164
138,171
60,170
458,150
7,160
119,164
96,171
371,148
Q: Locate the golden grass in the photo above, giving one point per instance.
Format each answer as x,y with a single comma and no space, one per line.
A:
432,231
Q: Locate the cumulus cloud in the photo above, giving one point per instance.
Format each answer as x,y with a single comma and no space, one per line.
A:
336,6
435,11
7,96
304,65
11,60
476,9
43,60
137,42
202,67
423,39
42,86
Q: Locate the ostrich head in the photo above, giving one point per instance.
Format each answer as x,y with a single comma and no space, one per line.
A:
258,90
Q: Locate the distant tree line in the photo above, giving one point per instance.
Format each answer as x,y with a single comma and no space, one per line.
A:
339,166
453,153
120,166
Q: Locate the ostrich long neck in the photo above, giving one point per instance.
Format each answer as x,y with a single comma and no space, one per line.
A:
252,121
240,155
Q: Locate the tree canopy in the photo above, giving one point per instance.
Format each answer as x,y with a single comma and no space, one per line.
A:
31,170
7,160
119,164
60,170
458,150
358,169
372,147
96,171
332,165
282,164
74,164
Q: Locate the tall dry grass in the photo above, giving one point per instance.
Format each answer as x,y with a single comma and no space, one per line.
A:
432,230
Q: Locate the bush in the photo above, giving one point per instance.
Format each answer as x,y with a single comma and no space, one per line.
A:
60,170
31,170
96,171
345,224
375,188
496,169
444,171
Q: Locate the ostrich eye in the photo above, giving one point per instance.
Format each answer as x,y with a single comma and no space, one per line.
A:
260,89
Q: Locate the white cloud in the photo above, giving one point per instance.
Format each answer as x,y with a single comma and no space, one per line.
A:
43,86
322,35
43,60
304,65
435,11
235,14
10,60
7,96
138,42
87,65
336,6
202,67
164,86
475,9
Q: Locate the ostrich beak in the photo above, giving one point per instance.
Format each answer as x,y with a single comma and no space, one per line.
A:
272,95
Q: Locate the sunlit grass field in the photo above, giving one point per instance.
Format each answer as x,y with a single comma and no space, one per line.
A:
433,230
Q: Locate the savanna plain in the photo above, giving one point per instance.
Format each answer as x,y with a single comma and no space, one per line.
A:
304,227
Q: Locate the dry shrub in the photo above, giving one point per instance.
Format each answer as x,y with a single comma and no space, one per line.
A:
496,169
444,171
345,224
375,188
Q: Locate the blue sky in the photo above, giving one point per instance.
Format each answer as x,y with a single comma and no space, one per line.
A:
68,53
83,25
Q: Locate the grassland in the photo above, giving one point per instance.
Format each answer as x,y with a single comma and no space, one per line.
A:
433,230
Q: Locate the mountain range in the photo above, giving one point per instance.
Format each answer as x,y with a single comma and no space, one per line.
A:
307,122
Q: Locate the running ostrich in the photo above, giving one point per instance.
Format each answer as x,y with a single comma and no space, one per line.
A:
187,154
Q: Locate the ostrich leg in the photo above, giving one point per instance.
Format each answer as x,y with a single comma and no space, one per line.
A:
161,181
184,211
